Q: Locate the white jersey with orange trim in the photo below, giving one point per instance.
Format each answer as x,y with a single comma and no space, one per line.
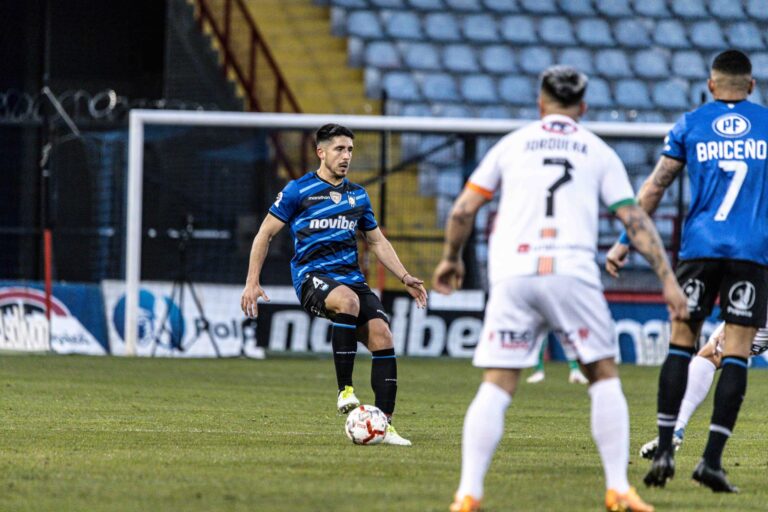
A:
551,175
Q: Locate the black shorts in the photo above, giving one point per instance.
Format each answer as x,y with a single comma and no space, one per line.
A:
316,287
741,285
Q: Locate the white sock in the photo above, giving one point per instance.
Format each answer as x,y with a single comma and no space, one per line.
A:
483,428
701,373
610,430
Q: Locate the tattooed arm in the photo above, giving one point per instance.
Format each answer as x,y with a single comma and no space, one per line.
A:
449,273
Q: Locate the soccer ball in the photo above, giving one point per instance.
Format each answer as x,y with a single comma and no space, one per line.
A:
366,424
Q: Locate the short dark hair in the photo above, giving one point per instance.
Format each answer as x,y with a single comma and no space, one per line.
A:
565,84
331,130
732,62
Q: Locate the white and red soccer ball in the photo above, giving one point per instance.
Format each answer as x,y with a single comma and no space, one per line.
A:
366,425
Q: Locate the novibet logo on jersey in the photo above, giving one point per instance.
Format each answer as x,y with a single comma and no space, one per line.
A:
340,222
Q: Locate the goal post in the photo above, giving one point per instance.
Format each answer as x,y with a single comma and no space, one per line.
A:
139,119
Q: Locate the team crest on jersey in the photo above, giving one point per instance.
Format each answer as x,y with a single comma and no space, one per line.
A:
352,200
731,125
561,127
335,196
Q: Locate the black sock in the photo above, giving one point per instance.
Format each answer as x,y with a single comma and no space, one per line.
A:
384,379
729,394
344,343
673,380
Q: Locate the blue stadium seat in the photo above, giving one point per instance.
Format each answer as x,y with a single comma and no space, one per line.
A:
631,153
556,30
745,36
439,87
478,89
382,54
758,9
535,59
421,56
652,63
671,34
498,59
598,93
518,30
502,6
632,33
364,24
579,58
757,96
577,7
355,4
442,26
416,110
403,24
689,64
388,4
650,116
459,58
696,90
651,8
612,64
614,8
427,5
726,10
517,90
759,65
594,32
671,94
612,116
450,182
451,110
689,9
494,112
401,86
707,34
480,28
464,5
539,6
632,94
526,113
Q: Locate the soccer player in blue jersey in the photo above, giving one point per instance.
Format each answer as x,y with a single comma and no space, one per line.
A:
324,211
724,252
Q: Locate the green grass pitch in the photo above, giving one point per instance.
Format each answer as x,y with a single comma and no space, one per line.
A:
114,434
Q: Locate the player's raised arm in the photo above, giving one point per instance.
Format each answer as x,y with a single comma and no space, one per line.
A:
269,228
388,257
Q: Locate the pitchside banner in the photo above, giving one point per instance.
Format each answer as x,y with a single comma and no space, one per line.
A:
77,319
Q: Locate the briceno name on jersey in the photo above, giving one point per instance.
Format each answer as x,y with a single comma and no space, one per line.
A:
323,220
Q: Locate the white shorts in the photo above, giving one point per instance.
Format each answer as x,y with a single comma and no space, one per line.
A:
521,310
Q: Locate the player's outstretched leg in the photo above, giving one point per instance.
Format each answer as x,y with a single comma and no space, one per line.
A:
344,343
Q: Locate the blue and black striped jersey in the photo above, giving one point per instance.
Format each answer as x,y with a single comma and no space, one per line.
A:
324,221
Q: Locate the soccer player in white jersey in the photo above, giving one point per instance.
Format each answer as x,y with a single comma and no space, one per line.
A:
551,176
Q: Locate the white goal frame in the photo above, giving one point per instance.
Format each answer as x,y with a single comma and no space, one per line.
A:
140,118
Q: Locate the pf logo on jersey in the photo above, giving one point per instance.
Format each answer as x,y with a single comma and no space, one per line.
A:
693,289
741,297
731,125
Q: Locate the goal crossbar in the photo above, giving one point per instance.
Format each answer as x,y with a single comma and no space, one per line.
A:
140,118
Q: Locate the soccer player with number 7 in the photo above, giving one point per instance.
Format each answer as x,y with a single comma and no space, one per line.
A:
724,252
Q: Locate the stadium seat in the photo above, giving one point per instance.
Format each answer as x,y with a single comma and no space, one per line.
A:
498,59
535,59
450,182
382,54
353,4
650,116
632,33
403,24
689,64
613,8
577,57
671,94
598,93
707,35
459,58
478,89
612,64
427,5
416,110
388,4
651,8
632,94
494,112
576,7
689,9
401,86
502,6
652,63
451,110
517,90
758,9
744,36
594,32
539,6
556,31
442,26
480,28
698,93
439,87
726,10
671,34
421,56
760,65
612,116
364,24
464,5
518,30
526,112
631,153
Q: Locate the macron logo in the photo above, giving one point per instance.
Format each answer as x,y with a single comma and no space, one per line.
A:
340,222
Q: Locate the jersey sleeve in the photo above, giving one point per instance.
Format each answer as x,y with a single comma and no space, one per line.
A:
615,189
485,179
674,142
287,203
368,220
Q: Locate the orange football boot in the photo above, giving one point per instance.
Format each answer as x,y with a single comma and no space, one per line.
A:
627,502
465,504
